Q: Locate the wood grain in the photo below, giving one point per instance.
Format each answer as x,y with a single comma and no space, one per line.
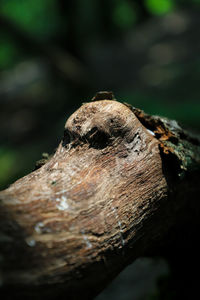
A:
102,200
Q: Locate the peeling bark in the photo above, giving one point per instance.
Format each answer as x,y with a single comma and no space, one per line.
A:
119,182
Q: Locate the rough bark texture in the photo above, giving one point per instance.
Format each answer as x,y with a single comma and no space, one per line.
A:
118,184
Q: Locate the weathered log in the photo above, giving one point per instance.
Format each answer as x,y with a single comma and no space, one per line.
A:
118,184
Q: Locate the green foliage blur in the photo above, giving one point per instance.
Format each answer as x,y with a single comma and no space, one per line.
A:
55,54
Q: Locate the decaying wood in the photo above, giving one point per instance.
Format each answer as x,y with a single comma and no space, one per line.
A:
119,181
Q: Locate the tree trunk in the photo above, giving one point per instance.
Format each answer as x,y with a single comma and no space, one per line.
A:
121,185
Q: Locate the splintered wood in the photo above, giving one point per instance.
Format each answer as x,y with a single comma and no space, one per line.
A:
94,207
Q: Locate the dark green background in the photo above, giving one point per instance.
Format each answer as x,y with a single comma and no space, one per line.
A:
56,54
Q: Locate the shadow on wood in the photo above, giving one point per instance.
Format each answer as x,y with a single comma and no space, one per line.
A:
119,185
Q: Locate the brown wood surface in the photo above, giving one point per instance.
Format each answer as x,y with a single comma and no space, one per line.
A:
118,183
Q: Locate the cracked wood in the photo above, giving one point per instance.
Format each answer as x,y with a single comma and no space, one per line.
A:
96,205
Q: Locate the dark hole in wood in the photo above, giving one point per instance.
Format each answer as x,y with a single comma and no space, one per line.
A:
66,138
97,139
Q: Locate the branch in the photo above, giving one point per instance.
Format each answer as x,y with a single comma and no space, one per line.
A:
119,181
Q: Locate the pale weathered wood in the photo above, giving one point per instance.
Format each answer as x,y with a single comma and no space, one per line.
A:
112,192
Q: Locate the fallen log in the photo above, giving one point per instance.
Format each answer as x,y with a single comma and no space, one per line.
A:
118,185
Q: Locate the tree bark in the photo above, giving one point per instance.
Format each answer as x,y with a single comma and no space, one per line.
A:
119,185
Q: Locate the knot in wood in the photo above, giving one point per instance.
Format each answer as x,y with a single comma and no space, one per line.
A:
101,122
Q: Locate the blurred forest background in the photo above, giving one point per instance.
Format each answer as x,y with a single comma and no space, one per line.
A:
56,54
